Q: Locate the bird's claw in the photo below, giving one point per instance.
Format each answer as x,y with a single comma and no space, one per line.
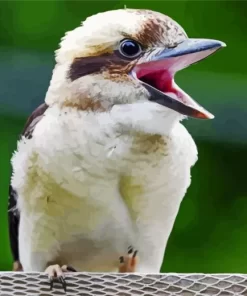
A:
61,279
128,262
70,268
55,272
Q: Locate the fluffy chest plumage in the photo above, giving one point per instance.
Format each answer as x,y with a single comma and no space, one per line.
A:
88,188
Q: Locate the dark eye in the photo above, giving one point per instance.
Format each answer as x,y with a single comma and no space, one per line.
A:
130,48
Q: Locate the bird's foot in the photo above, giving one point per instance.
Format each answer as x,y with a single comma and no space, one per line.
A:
57,272
128,262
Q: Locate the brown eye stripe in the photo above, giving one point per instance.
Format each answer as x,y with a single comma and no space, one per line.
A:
95,64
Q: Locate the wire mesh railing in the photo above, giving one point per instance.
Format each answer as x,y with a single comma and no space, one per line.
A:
123,284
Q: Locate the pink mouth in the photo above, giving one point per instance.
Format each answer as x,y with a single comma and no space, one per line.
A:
160,75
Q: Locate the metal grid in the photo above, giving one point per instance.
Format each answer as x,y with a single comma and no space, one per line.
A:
121,284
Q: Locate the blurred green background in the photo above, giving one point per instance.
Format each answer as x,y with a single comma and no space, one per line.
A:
210,231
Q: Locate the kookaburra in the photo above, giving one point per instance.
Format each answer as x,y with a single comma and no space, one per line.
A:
102,166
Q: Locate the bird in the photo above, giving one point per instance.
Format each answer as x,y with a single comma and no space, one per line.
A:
103,164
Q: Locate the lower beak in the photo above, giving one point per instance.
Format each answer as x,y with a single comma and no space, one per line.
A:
157,75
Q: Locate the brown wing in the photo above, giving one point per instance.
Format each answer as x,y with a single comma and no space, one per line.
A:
13,213
33,120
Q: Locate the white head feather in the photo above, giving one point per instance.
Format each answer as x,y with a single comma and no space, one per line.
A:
97,35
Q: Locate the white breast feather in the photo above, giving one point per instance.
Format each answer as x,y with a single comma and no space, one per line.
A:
86,194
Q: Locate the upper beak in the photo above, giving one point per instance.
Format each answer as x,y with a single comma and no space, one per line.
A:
157,75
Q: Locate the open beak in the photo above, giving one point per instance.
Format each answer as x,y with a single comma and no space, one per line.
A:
157,74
